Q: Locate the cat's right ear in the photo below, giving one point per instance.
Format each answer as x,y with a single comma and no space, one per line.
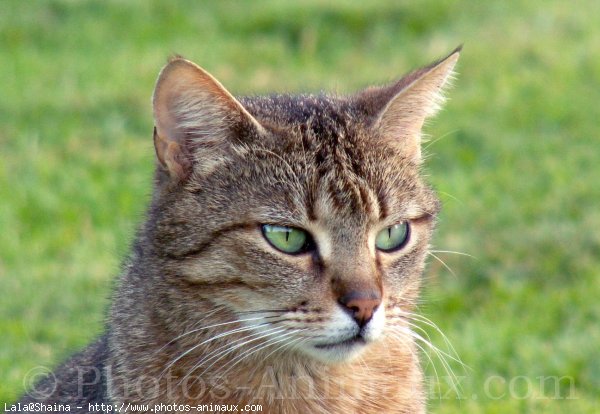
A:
398,111
196,120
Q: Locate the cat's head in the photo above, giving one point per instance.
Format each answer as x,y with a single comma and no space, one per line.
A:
303,217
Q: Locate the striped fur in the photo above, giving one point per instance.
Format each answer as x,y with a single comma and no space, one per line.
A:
206,311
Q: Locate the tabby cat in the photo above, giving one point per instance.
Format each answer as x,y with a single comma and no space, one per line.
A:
281,258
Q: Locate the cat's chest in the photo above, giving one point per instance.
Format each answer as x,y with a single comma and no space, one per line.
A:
353,388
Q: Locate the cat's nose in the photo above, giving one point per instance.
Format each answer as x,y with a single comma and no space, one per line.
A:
360,305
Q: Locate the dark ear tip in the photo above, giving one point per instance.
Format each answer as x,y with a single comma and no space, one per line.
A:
458,49
455,53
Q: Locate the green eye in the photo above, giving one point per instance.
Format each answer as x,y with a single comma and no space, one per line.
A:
393,237
287,239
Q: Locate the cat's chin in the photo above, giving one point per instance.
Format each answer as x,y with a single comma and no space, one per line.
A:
344,350
332,349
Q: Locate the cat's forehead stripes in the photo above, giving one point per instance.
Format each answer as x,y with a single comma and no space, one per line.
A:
326,137
344,197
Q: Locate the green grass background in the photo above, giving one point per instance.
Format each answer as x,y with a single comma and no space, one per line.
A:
515,156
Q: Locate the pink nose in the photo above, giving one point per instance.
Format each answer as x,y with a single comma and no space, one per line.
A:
360,305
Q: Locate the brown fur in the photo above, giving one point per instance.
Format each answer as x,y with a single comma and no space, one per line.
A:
207,311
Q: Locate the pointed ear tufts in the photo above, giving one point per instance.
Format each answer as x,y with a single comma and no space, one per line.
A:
399,111
196,119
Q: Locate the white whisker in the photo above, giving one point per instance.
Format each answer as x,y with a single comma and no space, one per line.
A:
443,263
423,319
203,328
406,332
196,346
442,357
433,142
224,352
454,252
255,349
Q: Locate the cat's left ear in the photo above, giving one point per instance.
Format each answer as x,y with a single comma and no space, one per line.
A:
197,121
399,111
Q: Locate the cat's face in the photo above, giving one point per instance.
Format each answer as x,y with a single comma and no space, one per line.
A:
304,218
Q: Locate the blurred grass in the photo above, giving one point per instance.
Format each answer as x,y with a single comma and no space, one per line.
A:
514,155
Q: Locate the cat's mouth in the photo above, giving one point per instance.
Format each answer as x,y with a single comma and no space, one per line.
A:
357,340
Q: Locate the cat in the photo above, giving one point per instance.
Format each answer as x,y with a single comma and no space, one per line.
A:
280,260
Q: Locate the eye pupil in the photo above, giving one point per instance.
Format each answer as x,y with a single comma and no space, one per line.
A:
393,238
286,239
